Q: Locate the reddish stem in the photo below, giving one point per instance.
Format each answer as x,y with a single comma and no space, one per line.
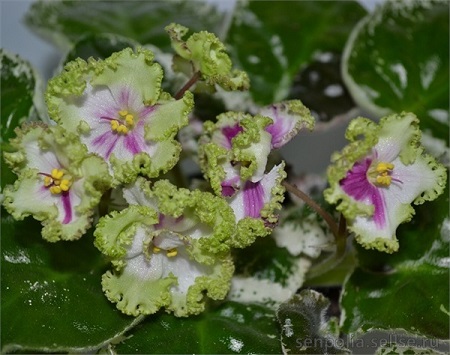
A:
186,86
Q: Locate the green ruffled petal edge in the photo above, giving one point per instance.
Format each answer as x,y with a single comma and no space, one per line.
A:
207,56
164,159
115,232
136,67
135,296
358,148
91,169
246,147
252,145
209,209
215,286
248,229
342,162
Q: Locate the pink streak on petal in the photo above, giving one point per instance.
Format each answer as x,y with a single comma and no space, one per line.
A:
253,199
106,140
124,98
276,129
357,185
279,128
134,141
65,198
230,133
144,112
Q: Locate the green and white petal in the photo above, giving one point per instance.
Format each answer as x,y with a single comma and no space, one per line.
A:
167,257
28,197
205,54
375,179
120,113
256,207
37,146
252,146
178,284
116,233
288,117
65,203
214,219
237,139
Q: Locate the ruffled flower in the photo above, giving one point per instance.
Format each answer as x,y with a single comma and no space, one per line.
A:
117,108
205,54
234,155
374,180
58,184
169,248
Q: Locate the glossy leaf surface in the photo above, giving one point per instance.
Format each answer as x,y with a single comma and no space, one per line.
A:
51,293
266,273
408,289
228,328
98,46
271,40
320,87
18,89
18,85
64,23
397,60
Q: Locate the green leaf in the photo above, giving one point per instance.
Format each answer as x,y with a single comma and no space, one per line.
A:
408,289
99,46
64,23
51,294
397,60
266,273
272,40
17,96
320,87
226,329
304,327
18,87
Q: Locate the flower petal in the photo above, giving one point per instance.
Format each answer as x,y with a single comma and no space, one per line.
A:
88,98
67,214
374,211
255,206
205,53
288,117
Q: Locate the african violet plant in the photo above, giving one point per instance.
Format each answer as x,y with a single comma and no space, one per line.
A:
129,252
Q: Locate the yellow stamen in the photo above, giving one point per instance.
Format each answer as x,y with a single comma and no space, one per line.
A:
123,113
48,181
384,167
57,174
122,129
129,119
65,185
55,190
384,179
384,170
114,125
172,252
156,250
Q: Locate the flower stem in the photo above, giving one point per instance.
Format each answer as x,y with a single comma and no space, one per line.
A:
315,206
335,259
339,231
186,86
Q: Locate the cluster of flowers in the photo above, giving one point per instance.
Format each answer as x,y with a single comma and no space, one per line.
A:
115,133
